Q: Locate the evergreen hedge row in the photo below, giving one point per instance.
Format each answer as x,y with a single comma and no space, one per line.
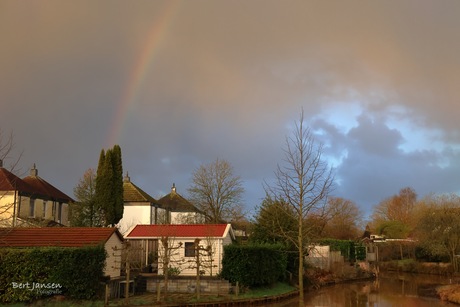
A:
255,264
349,249
32,273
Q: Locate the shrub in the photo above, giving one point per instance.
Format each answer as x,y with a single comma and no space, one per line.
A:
254,264
173,271
349,249
74,272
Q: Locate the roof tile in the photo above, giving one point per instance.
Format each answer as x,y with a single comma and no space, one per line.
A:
176,230
55,236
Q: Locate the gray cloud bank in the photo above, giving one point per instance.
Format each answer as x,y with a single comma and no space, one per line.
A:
378,82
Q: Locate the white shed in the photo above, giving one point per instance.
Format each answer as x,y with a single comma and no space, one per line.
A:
181,240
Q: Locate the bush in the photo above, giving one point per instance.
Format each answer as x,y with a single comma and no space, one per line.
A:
254,265
31,273
349,249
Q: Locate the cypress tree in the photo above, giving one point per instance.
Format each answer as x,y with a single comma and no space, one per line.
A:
117,184
109,201
101,187
109,185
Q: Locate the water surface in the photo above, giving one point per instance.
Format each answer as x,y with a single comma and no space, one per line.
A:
390,289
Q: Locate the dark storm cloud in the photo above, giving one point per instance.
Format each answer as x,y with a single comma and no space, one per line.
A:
377,80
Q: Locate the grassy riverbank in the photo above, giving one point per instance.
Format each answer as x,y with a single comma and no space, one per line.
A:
150,299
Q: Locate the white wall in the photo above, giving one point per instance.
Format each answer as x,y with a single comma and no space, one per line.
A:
134,215
23,205
187,264
6,208
113,263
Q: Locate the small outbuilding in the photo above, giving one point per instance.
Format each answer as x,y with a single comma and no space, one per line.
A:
67,237
182,240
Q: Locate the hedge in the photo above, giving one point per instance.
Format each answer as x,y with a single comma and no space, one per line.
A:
254,264
349,249
32,273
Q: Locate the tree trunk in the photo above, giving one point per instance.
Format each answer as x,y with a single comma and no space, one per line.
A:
300,242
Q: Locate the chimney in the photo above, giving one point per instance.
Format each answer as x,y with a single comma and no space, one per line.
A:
34,171
127,178
173,189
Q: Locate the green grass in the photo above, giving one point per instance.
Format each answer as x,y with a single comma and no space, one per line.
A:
150,299
65,303
276,289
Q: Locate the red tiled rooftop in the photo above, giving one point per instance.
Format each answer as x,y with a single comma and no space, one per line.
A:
180,231
54,236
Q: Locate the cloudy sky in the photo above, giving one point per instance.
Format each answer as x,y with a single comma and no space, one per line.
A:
179,84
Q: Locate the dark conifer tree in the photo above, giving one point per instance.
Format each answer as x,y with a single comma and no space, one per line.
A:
109,202
109,185
117,183
101,187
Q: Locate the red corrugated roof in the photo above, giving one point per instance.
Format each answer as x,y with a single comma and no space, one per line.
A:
55,236
180,231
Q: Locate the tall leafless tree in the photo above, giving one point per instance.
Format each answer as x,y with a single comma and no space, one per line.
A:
217,191
8,160
303,181
84,212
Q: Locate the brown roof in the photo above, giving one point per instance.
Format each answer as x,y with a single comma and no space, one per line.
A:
55,236
176,203
30,185
132,193
11,182
43,188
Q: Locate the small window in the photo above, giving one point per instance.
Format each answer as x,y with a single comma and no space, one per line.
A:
44,209
53,210
59,213
32,207
189,249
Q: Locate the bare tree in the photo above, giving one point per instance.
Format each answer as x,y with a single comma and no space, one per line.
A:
396,216
84,212
167,255
203,261
398,207
128,256
8,199
343,219
217,191
303,181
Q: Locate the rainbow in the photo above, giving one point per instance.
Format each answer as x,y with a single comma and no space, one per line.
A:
140,69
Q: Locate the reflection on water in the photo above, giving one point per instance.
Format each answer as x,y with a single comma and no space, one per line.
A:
390,289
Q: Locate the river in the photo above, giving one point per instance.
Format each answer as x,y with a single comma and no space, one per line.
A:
390,289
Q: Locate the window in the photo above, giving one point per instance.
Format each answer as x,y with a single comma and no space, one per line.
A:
189,249
53,211
59,213
44,209
32,207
